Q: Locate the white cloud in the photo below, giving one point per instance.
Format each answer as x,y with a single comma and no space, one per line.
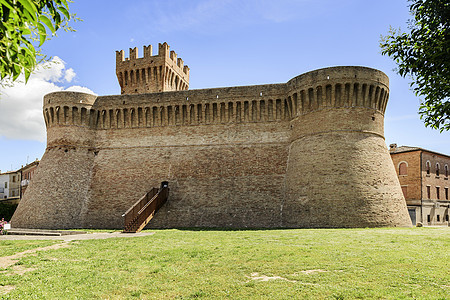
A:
70,74
52,70
21,104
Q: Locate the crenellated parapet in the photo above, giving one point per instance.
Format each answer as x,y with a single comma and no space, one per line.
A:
321,90
69,118
68,108
338,98
151,73
236,105
339,87
334,91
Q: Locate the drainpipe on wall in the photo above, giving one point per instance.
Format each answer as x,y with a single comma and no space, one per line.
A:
421,188
20,186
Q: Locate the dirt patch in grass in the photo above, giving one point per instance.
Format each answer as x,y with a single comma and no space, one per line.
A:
5,289
8,261
257,277
20,270
307,272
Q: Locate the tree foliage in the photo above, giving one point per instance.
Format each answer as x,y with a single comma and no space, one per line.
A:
25,26
424,54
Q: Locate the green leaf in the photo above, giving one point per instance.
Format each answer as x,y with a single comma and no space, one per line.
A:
42,34
27,75
30,18
26,31
27,52
17,69
65,3
7,4
29,6
47,22
64,11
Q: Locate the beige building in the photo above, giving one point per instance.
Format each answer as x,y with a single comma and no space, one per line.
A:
424,178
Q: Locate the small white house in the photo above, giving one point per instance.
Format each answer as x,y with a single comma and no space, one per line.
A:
4,185
9,185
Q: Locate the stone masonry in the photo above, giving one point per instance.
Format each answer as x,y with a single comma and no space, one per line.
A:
306,153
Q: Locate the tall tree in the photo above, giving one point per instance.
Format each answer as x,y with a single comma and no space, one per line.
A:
424,54
25,25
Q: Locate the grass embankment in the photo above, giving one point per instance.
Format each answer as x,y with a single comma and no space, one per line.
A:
260,264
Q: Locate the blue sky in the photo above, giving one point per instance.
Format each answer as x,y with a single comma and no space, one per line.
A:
225,43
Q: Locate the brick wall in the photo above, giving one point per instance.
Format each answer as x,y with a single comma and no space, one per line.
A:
412,180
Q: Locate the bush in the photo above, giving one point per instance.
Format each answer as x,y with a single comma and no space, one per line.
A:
7,210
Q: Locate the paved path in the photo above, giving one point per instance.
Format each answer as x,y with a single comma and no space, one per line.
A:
73,237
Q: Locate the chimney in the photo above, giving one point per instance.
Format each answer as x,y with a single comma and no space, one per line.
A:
392,147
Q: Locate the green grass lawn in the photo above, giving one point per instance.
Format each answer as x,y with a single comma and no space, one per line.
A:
187,264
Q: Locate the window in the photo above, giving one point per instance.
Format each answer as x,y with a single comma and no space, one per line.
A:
428,167
429,192
14,179
438,218
6,185
428,218
13,193
446,193
446,170
402,168
437,169
437,193
446,218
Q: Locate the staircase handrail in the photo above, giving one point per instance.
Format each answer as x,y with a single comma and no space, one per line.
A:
153,205
143,210
133,211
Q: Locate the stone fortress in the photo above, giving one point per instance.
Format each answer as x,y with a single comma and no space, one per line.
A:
309,153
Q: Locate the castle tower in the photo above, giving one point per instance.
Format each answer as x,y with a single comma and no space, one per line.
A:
65,168
339,171
152,73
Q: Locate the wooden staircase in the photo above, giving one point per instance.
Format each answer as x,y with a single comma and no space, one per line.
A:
145,208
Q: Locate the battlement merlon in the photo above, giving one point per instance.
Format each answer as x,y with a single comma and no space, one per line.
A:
148,51
133,53
120,56
163,51
173,56
186,70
